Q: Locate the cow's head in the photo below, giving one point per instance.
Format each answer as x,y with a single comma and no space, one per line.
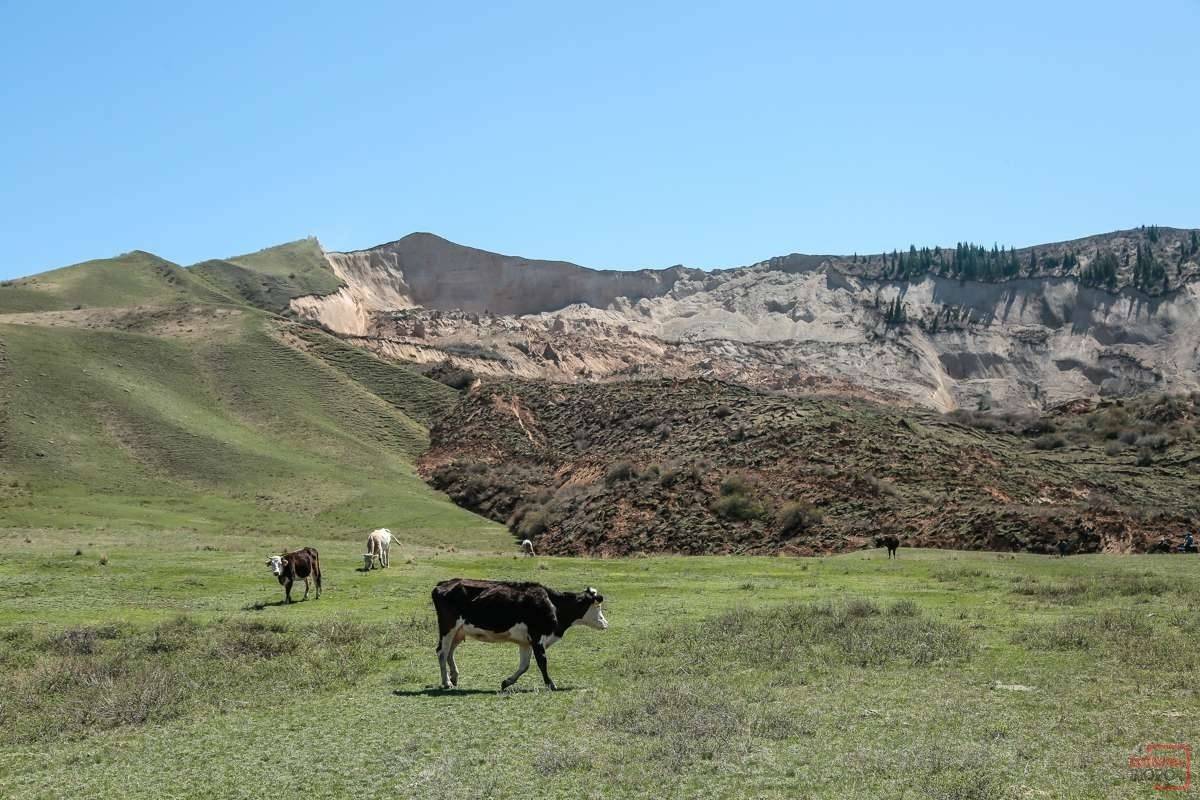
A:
594,616
277,565
368,561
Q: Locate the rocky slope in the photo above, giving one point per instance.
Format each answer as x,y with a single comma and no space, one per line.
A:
1110,315
701,466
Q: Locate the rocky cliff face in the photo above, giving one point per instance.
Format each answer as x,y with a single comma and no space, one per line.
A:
1037,331
426,271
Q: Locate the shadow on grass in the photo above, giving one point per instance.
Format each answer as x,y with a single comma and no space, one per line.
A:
437,691
260,605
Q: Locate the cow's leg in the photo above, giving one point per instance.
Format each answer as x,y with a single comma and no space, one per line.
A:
287,591
450,662
305,587
526,651
445,654
442,663
386,558
539,652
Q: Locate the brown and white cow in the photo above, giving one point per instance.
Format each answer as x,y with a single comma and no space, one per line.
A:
529,615
302,564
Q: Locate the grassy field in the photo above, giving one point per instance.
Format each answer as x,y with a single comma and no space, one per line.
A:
172,671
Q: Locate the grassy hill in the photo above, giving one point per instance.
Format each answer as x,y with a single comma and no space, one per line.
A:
186,409
270,278
132,279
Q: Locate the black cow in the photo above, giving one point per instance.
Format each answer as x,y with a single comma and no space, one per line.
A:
1064,548
301,564
890,542
528,615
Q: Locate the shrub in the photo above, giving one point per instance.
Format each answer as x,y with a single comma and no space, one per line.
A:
796,518
1128,437
1153,441
721,412
738,507
1145,457
904,608
646,422
879,486
1049,441
668,476
859,607
460,379
1114,449
1039,426
620,471
533,523
736,484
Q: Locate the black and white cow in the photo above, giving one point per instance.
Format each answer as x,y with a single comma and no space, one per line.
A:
528,615
302,564
892,543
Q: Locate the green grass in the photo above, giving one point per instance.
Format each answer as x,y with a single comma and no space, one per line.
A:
302,258
131,279
422,399
270,278
224,428
170,672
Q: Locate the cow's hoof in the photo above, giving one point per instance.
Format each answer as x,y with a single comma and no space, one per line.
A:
551,686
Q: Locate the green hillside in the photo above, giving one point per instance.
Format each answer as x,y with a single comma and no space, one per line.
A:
271,277
203,416
131,279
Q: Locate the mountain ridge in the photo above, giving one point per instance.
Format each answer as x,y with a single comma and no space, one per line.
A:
1098,316
1020,327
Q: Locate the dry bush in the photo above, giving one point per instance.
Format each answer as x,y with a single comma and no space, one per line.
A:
796,518
620,471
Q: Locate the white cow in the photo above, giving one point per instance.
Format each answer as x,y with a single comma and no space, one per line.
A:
527,546
379,544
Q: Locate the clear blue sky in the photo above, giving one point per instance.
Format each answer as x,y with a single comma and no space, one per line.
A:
711,134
